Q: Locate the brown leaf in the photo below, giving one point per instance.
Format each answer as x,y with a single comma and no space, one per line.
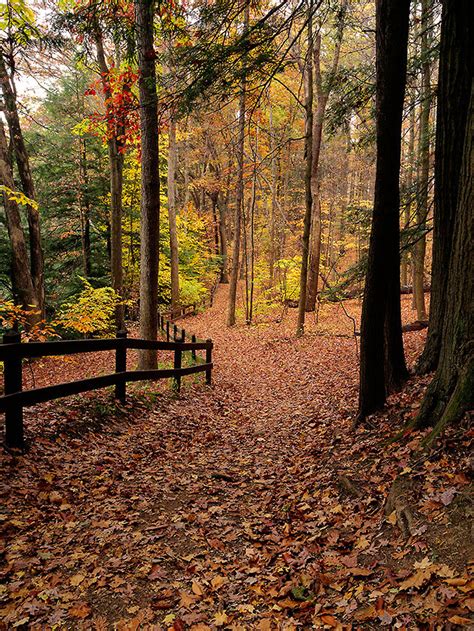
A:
80,610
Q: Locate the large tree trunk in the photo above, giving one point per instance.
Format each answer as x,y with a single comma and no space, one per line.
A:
382,362
150,189
22,283
424,161
308,145
174,261
454,85
451,392
24,170
114,145
239,201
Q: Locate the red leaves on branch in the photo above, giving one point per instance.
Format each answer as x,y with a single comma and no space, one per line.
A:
120,118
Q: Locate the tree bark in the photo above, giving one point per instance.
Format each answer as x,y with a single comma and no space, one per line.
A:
239,200
22,283
424,161
150,180
174,261
84,209
451,392
308,144
323,91
456,67
382,362
408,192
24,170
222,207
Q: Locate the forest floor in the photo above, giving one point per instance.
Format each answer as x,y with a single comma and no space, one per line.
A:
253,504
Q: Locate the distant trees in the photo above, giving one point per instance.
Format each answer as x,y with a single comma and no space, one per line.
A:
382,361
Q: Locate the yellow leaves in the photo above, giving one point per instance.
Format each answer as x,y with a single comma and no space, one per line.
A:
218,581
19,197
77,579
245,608
92,311
392,518
362,543
220,619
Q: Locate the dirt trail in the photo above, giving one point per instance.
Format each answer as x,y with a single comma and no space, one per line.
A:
219,508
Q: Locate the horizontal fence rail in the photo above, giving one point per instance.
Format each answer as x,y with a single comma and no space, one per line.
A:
184,311
13,351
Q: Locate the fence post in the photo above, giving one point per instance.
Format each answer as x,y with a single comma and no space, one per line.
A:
183,335
177,366
193,352
175,331
167,330
13,383
209,361
121,366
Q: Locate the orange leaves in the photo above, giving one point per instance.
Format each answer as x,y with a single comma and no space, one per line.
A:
80,610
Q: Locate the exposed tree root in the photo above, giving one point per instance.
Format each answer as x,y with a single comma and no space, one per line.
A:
347,486
398,501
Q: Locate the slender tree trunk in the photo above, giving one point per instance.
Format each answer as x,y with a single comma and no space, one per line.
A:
222,208
150,180
322,92
424,160
451,392
24,170
84,209
22,283
274,193
239,201
114,145
174,262
456,67
409,192
382,362
308,172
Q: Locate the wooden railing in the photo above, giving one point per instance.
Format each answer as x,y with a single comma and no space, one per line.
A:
191,309
13,351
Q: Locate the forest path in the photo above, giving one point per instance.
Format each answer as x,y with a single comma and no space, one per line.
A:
217,508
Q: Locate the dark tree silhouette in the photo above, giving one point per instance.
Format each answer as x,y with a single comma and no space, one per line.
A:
382,365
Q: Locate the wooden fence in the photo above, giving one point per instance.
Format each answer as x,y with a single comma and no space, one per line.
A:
13,351
191,309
